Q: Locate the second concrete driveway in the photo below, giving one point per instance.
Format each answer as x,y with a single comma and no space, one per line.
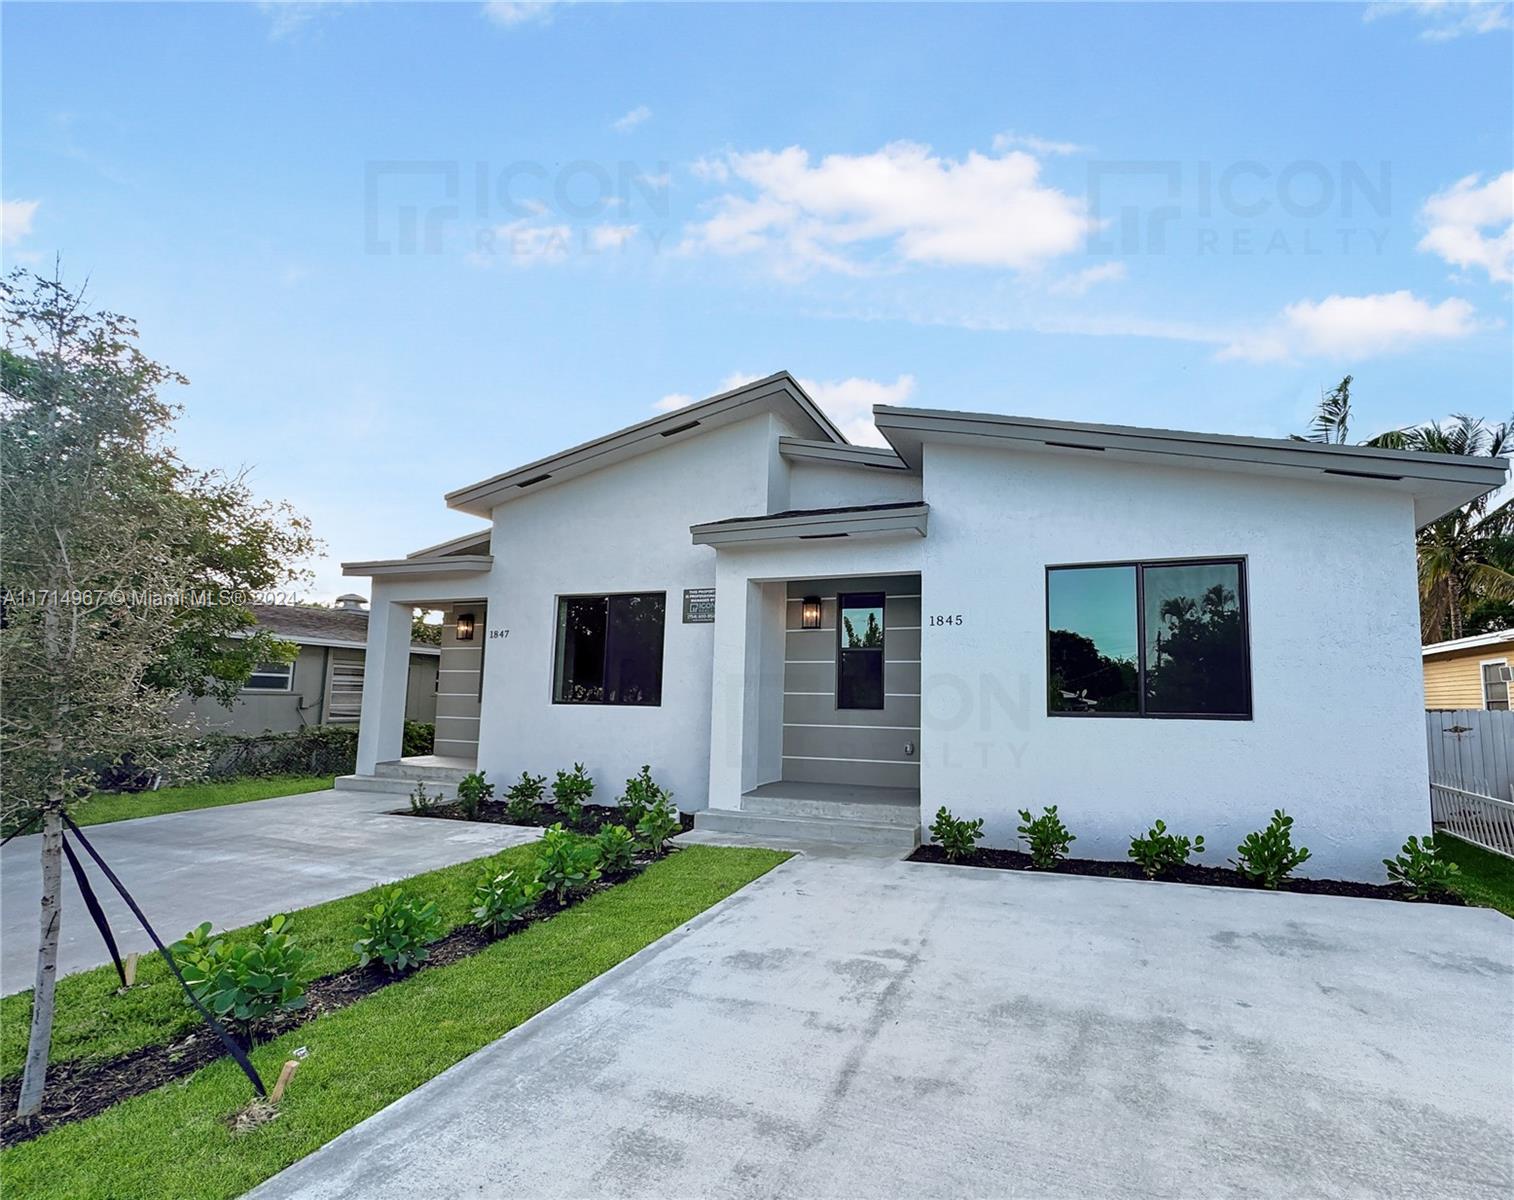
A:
847,1028
229,866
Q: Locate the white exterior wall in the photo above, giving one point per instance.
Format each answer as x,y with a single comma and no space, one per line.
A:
817,485
1337,736
621,529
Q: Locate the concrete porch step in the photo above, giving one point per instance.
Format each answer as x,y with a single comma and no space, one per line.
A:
867,812
429,767
812,829
394,786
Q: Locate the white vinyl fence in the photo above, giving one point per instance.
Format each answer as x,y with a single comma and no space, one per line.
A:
1472,775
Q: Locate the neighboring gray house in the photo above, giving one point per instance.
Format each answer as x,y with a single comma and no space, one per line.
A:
324,684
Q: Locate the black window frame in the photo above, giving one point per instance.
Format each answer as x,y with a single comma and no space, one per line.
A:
1243,600
607,597
881,651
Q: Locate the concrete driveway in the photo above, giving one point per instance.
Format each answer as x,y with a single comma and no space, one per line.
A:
847,1028
229,866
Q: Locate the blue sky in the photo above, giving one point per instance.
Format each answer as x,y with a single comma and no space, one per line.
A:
400,248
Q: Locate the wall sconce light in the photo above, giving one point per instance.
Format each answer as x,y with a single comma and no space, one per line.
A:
465,627
809,613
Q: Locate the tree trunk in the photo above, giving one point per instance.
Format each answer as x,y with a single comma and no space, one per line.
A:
37,1047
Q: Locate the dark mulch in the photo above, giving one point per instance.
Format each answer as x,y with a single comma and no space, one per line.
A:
1016,860
83,1088
492,812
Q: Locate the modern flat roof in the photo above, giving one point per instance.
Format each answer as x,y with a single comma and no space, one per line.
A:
910,516
1439,483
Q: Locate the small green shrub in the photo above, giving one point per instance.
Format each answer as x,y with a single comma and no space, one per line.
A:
472,791
959,839
1420,868
397,931
659,823
522,797
1267,856
501,899
419,738
566,862
616,849
1046,836
1159,851
242,981
570,790
423,802
640,794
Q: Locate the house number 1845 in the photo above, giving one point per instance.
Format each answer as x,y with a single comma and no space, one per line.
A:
945,619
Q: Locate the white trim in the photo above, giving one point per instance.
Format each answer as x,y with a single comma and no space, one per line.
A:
1502,637
1482,682
288,687
891,762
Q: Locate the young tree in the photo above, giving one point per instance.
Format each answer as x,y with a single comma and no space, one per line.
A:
107,539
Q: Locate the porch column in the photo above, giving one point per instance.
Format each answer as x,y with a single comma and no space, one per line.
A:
386,674
746,709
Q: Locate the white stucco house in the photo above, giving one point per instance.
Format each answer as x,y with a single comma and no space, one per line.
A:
808,637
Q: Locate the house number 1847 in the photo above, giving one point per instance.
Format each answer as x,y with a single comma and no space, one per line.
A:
945,619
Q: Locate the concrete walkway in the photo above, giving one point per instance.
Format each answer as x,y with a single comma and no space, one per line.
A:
229,866
850,1027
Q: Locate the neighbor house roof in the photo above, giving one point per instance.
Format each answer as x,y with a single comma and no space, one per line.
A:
773,393
309,626
1439,483
1502,637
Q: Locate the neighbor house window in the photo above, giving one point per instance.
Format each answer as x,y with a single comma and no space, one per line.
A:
609,649
271,677
1495,684
1158,639
859,654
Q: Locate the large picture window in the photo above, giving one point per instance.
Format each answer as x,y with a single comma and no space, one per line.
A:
1157,639
859,654
609,649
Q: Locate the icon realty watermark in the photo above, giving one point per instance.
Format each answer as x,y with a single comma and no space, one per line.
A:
1248,207
524,209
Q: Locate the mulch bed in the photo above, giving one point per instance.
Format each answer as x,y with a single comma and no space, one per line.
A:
492,812
1016,860
83,1088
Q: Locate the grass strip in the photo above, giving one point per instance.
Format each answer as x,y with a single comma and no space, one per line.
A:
105,807
1486,879
174,1141
93,1022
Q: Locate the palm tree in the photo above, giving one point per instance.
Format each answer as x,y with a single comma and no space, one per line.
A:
1466,559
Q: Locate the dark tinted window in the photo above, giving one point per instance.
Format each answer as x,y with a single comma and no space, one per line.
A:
859,656
1195,640
1093,644
1152,639
609,649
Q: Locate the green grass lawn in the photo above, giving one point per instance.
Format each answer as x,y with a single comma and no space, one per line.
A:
105,807
93,1022
174,1141
1486,878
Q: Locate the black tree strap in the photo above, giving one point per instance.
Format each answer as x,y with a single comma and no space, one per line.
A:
92,902
232,1048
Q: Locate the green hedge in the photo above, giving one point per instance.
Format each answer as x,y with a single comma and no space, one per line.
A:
317,750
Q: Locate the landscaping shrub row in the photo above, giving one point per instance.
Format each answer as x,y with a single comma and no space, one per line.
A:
316,750
1265,858
641,803
258,990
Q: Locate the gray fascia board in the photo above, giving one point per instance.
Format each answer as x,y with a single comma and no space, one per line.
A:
480,498
451,544
876,457
457,564
913,519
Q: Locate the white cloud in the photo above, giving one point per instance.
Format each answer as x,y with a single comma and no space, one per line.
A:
1443,20
631,120
1078,283
1457,218
901,202
848,402
512,13
1009,140
611,237
1348,327
16,220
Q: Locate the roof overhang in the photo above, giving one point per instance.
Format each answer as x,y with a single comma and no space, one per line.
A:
815,525
780,392
455,564
831,454
1438,483
1481,641
477,540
